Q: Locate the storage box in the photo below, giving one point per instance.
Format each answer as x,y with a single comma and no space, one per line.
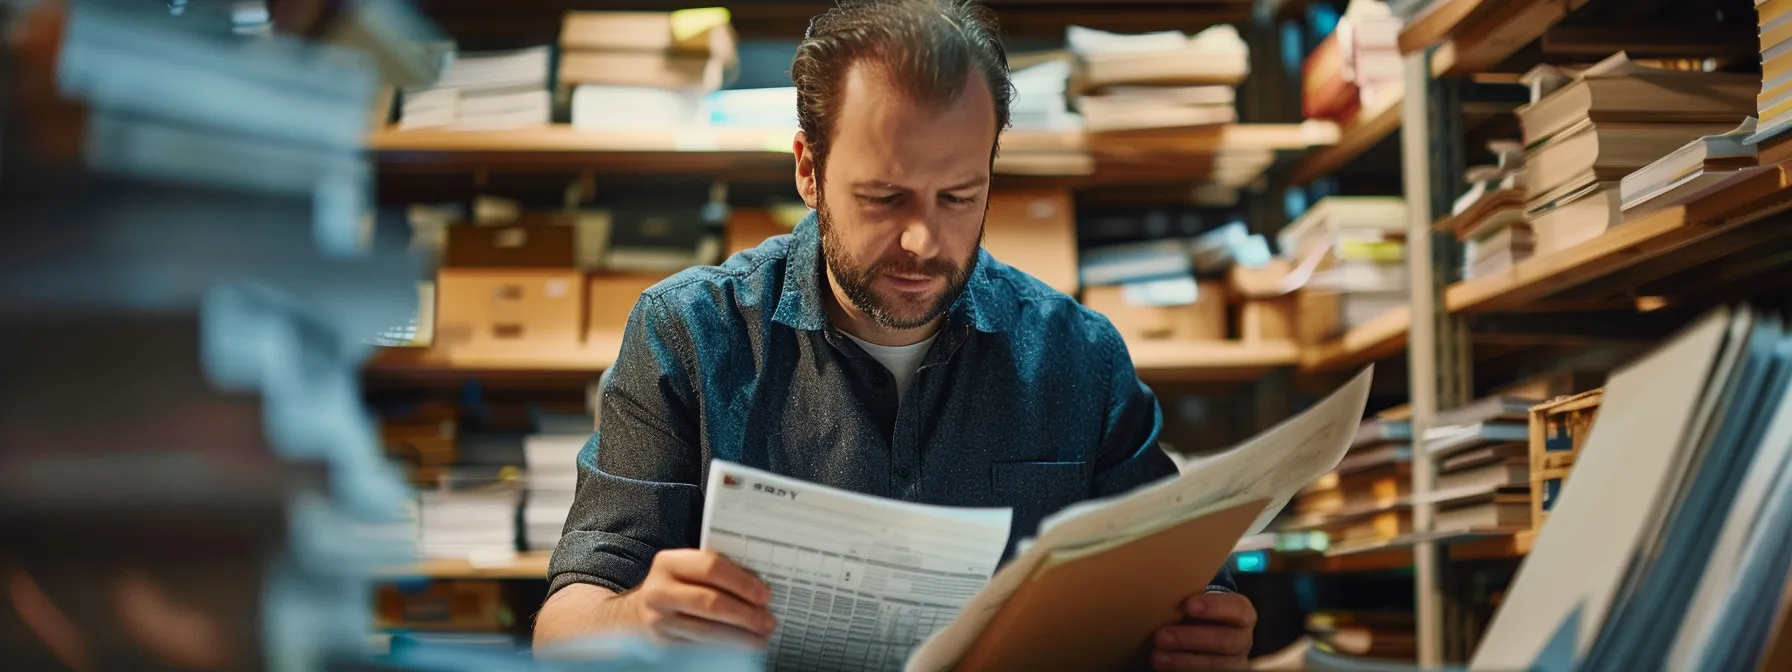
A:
1559,428
1034,231
1320,314
1264,320
1260,282
506,307
611,297
518,246
1203,320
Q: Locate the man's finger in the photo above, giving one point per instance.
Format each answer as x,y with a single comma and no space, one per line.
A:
709,604
691,629
711,569
1209,639
1224,608
1169,660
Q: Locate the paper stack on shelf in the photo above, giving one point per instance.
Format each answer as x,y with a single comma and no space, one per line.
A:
1159,80
1217,55
1483,466
1606,122
483,90
552,463
1774,102
1490,217
1697,168
1670,548
1042,93
1369,37
477,523
643,70
1351,251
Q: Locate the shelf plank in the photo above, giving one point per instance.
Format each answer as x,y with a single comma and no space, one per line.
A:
1678,231
527,565
1369,128
1475,35
1209,361
1368,342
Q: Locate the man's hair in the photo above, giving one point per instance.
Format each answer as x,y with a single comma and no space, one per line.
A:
926,48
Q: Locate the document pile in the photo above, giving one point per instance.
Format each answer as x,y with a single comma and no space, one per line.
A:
484,90
552,461
1671,545
858,582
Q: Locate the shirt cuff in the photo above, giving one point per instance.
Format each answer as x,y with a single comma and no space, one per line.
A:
601,559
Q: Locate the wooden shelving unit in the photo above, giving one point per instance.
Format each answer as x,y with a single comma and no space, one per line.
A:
1381,337
1369,128
527,565
1612,267
1474,35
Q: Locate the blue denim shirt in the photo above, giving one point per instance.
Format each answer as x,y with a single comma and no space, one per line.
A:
1026,400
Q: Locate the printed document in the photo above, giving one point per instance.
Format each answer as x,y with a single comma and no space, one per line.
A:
857,581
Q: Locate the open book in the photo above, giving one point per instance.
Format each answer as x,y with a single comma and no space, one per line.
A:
860,582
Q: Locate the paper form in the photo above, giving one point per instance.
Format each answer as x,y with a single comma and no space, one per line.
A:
1273,465
857,581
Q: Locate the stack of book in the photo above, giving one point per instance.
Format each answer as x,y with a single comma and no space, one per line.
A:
1483,466
1774,102
476,522
482,91
1605,122
635,70
1158,80
1365,502
1370,634
552,465
1489,218
1695,169
1355,68
1042,93
1349,254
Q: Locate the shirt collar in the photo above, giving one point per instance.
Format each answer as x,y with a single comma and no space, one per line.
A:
983,304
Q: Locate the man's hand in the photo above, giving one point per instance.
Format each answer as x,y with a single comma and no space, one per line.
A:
1215,635
700,596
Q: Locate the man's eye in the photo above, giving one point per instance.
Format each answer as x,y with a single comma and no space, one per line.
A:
880,200
957,200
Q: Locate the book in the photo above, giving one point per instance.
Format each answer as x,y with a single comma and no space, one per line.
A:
1588,153
483,90
1503,511
1370,458
1486,409
1698,167
1444,440
644,69
607,108
1508,473
1492,211
1484,455
1104,114
1620,90
701,31
1381,217
1217,55
1577,218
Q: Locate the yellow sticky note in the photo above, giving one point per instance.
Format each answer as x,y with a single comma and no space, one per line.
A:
689,23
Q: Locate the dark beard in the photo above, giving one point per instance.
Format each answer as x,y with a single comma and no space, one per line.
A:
856,282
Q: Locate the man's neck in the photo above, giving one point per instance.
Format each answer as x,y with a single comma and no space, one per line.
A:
850,319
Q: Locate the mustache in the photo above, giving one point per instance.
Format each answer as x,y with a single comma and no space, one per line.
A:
904,265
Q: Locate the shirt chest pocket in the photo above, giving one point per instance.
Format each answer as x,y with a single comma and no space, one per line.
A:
1037,490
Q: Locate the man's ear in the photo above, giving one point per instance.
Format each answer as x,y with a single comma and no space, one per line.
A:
806,179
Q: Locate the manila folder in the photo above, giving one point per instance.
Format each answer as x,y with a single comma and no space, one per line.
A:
1099,611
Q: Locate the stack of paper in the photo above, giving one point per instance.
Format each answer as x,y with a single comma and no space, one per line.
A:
1217,55
638,70
1774,102
1670,547
1483,466
483,90
772,108
552,463
1697,168
1489,218
1369,39
1041,93
1606,122
477,523
1354,248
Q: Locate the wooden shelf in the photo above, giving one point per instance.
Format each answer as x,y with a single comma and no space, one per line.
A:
1194,361
1198,361
1369,128
1475,35
527,565
1368,342
1623,260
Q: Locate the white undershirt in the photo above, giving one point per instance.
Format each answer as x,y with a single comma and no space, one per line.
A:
902,360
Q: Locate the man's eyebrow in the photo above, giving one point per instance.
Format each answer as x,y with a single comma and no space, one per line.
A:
969,184
874,184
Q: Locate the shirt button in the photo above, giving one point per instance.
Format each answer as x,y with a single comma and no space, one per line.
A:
902,472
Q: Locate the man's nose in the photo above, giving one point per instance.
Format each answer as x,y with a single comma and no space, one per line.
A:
918,236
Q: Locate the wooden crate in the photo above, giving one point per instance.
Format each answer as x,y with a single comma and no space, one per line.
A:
1559,428
1546,486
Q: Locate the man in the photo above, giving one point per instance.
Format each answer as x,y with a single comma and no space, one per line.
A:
876,349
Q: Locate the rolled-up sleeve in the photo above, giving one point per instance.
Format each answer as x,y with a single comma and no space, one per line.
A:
1130,455
638,485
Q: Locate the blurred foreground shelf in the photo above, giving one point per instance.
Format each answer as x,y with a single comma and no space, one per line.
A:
527,565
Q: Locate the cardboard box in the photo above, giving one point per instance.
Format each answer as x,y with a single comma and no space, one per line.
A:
1260,282
747,228
1261,320
1320,316
1034,231
519,246
507,307
612,296
1203,320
